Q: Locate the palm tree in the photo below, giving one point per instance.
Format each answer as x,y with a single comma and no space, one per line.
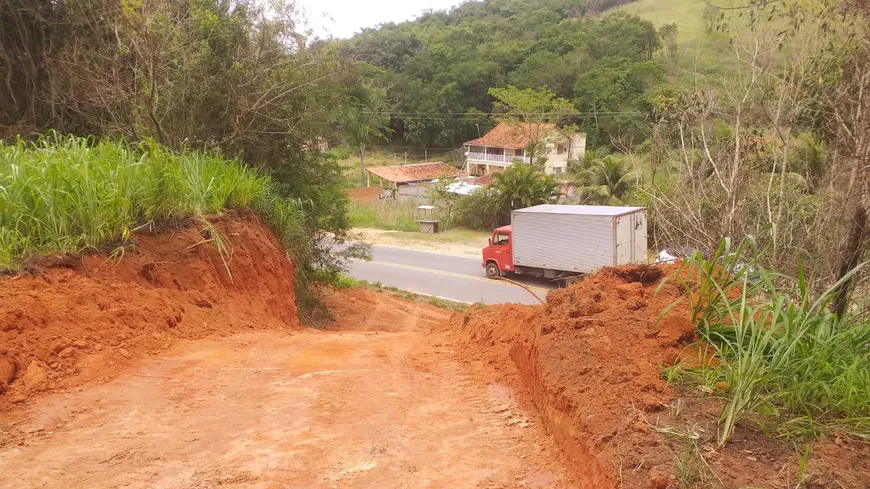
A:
604,181
523,185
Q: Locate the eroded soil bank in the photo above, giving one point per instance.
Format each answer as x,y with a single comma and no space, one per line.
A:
64,321
591,360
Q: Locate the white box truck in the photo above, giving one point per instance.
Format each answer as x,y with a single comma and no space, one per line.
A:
561,241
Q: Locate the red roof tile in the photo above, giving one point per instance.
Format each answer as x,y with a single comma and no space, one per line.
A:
414,173
512,135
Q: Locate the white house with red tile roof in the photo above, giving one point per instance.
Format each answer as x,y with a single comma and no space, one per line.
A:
508,142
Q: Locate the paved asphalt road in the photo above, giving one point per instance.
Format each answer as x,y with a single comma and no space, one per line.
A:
449,277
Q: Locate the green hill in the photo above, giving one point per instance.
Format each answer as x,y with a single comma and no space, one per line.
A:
687,14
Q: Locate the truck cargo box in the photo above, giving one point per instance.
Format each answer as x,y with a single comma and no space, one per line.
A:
578,238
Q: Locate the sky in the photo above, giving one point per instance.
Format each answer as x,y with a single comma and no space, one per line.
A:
344,18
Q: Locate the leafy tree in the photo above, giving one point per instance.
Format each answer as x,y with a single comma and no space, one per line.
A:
615,88
622,35
522,185
231,77
604,180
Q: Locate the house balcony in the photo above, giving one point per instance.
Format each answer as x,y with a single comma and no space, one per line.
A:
496,159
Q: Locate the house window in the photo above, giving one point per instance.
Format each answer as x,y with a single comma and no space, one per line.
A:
560,149
557,169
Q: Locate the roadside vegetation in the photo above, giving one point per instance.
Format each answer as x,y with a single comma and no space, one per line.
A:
198,91
69,195
393,215
783,358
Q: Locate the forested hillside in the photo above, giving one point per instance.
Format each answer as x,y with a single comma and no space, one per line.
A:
438,69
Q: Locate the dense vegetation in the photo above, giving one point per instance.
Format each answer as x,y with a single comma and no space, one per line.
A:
72,194
440,68
225,78
782,357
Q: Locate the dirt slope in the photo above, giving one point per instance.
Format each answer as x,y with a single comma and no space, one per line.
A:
74,319
376,402
591,360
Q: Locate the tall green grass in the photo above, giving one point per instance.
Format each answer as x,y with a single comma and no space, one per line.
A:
390,215
69,194
786,361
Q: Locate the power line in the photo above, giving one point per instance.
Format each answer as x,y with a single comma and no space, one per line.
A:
453,114
741,7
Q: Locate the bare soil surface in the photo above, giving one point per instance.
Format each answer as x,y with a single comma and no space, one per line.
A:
377,402
67,320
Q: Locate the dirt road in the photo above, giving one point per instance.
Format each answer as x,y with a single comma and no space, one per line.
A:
379,403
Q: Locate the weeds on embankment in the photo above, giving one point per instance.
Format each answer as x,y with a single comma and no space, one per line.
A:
783,359
69,194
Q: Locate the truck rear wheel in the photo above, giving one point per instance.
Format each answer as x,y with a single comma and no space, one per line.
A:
492,270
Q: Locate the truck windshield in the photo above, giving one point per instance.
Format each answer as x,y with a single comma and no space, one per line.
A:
501,239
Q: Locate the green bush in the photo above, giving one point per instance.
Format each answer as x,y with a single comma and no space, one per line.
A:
784,358
483,210
340,152
69,194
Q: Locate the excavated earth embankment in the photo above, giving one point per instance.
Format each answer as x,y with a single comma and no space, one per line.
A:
106,371
66,320
591,360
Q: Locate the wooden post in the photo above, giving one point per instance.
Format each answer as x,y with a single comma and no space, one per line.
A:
368,180
362,165
426,154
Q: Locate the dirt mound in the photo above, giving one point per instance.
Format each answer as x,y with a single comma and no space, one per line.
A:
591,360
68,320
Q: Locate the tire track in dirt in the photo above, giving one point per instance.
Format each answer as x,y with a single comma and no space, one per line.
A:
313,410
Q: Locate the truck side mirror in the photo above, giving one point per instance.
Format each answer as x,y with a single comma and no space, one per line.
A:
490,240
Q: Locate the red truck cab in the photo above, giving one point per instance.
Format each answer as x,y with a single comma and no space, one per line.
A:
498,256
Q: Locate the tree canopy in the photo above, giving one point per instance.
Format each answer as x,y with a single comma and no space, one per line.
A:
449,71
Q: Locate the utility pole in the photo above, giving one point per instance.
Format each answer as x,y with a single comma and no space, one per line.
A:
362,165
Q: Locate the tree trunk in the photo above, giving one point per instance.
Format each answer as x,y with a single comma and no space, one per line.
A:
851,256
362,165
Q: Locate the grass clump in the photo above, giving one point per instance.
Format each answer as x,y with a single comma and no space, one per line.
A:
389,214
785,360
70,194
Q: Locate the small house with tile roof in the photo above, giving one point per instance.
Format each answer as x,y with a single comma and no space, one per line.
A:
509,142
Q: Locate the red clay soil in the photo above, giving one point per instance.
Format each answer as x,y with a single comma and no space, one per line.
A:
591,360
73,319
375,402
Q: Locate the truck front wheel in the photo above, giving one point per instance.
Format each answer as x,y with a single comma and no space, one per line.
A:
492,270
